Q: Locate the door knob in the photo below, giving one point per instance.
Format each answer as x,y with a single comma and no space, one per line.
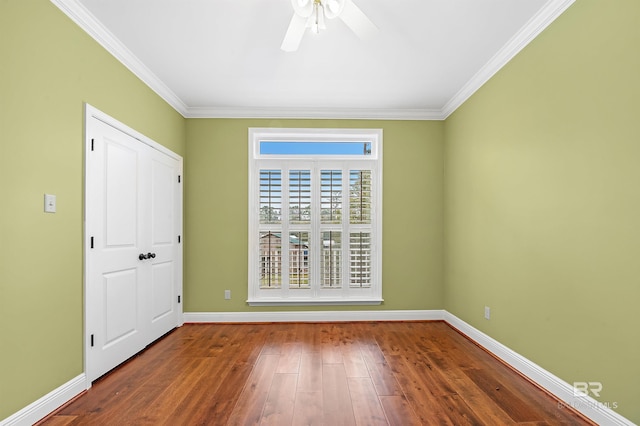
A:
151,255
142,256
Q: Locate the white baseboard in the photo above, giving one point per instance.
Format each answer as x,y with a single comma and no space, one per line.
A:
48,403
314,316
599,412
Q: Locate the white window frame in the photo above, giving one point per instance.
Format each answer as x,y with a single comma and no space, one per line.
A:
346,295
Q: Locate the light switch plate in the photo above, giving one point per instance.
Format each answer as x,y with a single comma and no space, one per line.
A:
49,203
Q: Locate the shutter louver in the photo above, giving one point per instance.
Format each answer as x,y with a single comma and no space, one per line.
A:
299,260
360,197
300,196
270,260
360,259
331,260
331,196
270,196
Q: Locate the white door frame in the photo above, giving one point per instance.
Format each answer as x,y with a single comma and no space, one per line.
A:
91,113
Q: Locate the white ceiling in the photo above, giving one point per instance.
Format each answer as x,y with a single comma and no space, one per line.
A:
222,58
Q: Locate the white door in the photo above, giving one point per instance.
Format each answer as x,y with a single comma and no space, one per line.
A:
165,267
133,256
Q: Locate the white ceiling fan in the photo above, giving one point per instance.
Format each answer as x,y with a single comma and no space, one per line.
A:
312,13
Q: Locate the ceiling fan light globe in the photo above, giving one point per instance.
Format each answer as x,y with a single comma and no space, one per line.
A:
302,8
333,8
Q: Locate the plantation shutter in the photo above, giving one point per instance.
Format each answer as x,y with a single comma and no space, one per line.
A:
271,240
300,206
315,222
360,218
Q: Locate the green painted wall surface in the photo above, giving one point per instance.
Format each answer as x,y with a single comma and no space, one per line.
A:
48,68
216,205
542,202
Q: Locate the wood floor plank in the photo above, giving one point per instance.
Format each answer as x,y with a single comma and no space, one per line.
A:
398,411
219,405
383,379
289,358
425,401
274,340
337,405
354,364
248,409
310,376
278,408
62,420
174,395
331,353
459,412
197,393
308,409
310,337
519,410
482,405
368,345
367,408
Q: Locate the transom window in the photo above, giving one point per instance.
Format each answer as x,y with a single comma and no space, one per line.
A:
315,216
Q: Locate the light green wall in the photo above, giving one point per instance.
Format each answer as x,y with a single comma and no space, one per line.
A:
542,202
216,206
48,68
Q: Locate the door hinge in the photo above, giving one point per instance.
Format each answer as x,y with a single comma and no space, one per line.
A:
178,298
178,178
92,340
179,239
91,242
91,144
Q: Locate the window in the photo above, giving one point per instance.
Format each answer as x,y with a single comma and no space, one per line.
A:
315,216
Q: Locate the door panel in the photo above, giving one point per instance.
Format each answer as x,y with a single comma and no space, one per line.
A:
163,180
121,193
120,306
162,288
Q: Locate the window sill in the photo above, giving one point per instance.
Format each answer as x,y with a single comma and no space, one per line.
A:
313,302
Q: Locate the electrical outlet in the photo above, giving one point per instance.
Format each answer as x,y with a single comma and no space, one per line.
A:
227,294
487,312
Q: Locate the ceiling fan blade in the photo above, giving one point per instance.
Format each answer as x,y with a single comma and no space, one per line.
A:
357,20
294,34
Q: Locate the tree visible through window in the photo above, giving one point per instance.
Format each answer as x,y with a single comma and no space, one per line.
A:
315,218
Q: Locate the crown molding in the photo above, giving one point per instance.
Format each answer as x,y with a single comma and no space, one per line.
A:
551,10
85,20
315,113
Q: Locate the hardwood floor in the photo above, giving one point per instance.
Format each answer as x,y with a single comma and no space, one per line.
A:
396,373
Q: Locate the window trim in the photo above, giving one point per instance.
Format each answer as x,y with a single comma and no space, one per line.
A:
373,160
